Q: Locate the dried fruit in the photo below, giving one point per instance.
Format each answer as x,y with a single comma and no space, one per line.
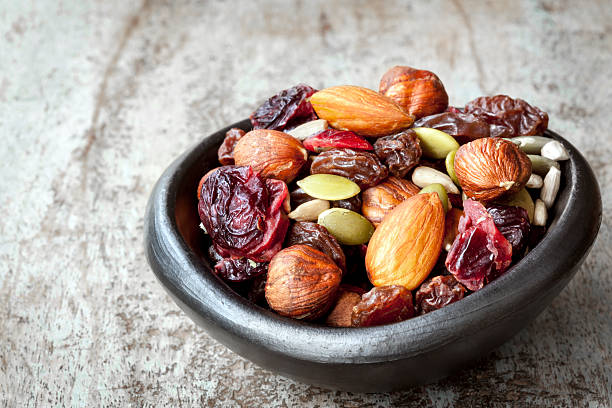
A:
383,305
362,167
360,110
490,168
511,117
302,282
419,92
226,150
480,252
450,166
271,153
239,269
406,245
348,227
332,139
513,223
379,200
541,165
308,129
286,110
464,127
438,292
400,152
435,143
315,235
423,176
340,315
328,187
520,199
242,213
451,227
309,211
353,203
440,191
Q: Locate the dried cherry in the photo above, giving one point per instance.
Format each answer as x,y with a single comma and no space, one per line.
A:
242,213
438,292
513,223
226,150
239,269
360,166
285,110
400,152
332,138
315,235
383,305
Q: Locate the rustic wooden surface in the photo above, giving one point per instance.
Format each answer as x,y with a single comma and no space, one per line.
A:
98,97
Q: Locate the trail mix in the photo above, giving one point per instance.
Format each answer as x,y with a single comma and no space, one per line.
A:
352,207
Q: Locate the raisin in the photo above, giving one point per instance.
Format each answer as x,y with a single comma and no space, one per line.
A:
256,292
239,269
315,235
400,152
480,253
286,110
226,150
383,305
332,138
513,223
362,167
353,203
242,213
508,117
536,233
438,292
462,126
299,197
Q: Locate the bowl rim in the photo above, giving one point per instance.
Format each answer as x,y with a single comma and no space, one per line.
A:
206,294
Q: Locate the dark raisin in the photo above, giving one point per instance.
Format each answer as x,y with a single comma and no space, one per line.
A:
256,291
383,305
226,150
299,197
353,203
286,110
400,152
513,223
438,292
360,166
239,269
315,235
462,126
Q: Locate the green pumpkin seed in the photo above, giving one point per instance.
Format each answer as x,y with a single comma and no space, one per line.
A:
437,188
435,143
450,166
329,187
530,144
540,165
348,227
520,199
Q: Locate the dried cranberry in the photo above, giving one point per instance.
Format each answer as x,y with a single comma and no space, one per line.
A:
513,223
332,138
242,213
226,150
480,253
286,110
239,269
462,126
383,305
438,292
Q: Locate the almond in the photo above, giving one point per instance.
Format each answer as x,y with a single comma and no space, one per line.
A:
361,110
379,200
490,168
272,153
406,245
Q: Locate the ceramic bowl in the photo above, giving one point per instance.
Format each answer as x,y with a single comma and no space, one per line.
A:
373,359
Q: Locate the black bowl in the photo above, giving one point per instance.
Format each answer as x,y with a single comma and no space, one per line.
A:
373,359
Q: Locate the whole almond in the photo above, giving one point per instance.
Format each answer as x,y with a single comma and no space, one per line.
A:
361,110
379,200
272,153
406,245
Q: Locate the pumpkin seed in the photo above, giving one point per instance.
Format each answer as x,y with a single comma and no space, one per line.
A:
329,187
348,227
530,144
435,144
450,166
437,188
520,199
309,211
540,165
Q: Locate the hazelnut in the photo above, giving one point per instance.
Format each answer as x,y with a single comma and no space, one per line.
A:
302,282
272,153
379,200
490,168
419,92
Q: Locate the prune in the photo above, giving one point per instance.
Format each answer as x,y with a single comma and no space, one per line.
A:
362,167
480,253
226,150
509,117
462,126
400,152
513,223
242,213
286,110
239,269
383,305
353,203
315,235
438,292
332,138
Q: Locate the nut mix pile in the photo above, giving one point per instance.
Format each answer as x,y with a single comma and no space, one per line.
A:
358,208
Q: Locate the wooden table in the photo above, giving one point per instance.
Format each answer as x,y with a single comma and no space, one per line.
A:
98,97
